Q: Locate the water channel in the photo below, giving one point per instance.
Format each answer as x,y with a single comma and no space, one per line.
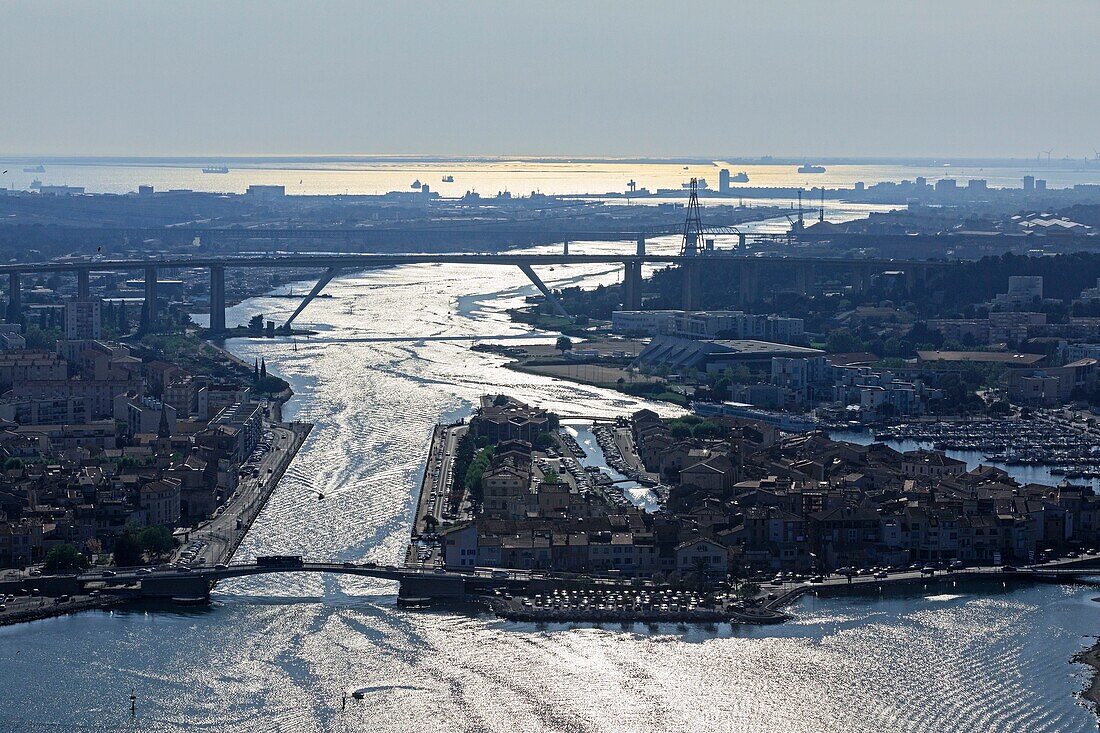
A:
277,653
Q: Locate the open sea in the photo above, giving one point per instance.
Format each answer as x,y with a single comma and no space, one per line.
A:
489,177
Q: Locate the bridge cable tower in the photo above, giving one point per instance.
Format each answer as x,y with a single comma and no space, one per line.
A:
693,222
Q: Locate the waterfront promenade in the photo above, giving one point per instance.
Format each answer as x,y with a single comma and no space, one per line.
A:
216,539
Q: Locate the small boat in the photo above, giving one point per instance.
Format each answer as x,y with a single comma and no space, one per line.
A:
215,169
35,169
320,496
416,183
807,168
448,179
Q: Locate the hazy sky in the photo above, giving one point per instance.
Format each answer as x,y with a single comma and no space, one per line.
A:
949,78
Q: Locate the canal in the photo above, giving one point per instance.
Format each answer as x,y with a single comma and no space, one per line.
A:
277,653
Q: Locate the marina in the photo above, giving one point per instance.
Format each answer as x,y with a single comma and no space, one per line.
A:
1046,439
634,605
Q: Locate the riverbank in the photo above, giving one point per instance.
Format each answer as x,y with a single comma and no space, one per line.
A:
49,609
1091,658
298,432
223,533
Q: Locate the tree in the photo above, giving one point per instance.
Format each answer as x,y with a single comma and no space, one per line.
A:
563,344
256,324
144,319
843,341
123,318
707,430
500,400
127,550
722,388
263,368
748,590
477,469
156,540
64,557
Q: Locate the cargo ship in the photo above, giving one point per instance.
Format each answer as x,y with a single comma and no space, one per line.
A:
807,168
215,169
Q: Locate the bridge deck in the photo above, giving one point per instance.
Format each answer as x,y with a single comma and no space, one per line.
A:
364,261
488,577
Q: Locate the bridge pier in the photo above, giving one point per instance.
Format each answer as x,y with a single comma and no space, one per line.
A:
689,288
858,280
565,248
149,309
804,278
915,278
552,299
217,299
83,290
749,284
191,587
632,286
15,298
641,246
325,280
427,586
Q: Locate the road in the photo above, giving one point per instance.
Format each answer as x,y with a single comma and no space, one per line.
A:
215,539
624,440
434,492
914,576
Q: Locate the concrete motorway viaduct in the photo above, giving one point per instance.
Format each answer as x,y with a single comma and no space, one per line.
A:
799,270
